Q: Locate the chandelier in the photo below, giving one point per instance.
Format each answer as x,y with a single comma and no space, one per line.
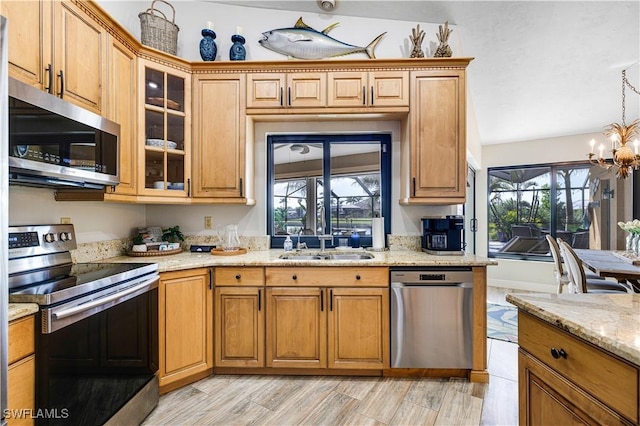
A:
625,158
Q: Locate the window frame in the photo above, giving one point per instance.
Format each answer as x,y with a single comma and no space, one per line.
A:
553,192
312,241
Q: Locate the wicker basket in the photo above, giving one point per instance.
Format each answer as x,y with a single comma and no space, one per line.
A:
157,31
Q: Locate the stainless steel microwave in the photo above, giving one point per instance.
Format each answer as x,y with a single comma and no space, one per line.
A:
54,143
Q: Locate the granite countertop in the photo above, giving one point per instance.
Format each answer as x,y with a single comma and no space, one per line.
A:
187,260
609,321
20,310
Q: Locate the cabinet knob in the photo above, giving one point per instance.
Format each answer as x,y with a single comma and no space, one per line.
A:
358,277
558,353
294,277
238,276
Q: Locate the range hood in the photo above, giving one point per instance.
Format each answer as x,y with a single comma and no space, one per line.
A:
56,144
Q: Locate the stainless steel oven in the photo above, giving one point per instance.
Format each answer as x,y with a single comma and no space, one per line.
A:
96,342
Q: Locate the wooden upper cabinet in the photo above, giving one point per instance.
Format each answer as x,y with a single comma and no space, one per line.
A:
219,142
79,57
437,138
368,89
57,47
30,42
122,108
282,90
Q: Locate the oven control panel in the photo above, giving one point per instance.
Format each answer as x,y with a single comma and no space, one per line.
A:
33,240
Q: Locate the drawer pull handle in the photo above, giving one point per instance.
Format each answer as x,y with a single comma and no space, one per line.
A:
358,277
294,277
238,276
558,353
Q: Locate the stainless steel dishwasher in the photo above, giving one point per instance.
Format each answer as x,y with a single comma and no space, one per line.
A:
432,317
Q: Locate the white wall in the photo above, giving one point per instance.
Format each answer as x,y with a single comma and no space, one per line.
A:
192,16
528,275
93,221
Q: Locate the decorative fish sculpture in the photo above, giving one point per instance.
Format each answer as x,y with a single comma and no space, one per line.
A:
303,42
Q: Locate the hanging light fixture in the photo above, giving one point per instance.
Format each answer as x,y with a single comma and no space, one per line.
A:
625,158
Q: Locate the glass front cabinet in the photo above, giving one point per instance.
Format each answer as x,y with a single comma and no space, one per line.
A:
165,131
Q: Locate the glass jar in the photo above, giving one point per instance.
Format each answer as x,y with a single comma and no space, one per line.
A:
230,241
628,242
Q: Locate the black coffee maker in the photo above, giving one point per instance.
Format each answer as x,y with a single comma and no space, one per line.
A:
443,235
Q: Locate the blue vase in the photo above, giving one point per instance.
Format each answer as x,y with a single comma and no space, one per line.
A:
237,52
208,48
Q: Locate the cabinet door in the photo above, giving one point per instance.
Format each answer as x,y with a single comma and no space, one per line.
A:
239,335
219,138
79,57
306,90
296,328
122,77
164,131
185,324
389,88
347,89
438,148
266,90
546,398
29,40
358,328
21,395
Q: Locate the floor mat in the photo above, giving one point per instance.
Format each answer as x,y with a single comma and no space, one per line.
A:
502,322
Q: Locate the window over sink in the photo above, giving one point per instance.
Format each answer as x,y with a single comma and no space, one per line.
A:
327,184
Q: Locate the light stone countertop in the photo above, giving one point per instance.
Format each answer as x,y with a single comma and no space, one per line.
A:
187,260
609,321
20,310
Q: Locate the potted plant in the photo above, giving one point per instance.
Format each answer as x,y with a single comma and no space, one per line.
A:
173,236
138,244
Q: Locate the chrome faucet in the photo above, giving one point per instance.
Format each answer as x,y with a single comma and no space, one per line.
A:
299,245
323,237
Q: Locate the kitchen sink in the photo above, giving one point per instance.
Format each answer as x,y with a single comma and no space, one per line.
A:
326,256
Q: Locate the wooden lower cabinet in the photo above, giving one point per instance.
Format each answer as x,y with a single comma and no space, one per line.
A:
344,328
21,395
239,327
358,328
296,328
185,325
564,380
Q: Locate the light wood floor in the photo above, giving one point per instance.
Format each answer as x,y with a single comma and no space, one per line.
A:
298,400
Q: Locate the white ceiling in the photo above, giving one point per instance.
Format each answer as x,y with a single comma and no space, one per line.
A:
541,69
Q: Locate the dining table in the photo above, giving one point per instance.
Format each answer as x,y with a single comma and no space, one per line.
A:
620,265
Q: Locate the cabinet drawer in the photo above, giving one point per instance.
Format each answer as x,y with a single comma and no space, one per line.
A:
21,338
235,276
328,276
612,381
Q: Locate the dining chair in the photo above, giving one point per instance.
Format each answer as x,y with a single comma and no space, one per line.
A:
579,283
561,275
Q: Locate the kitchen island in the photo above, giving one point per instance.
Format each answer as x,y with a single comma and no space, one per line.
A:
579,358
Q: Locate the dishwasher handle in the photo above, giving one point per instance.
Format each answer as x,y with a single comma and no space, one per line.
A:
431,285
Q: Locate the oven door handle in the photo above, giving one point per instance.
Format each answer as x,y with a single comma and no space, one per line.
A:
103,300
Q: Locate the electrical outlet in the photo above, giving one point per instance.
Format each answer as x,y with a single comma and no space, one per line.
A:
65,220
207,222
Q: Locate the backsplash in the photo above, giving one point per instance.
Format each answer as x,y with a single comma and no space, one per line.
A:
89,252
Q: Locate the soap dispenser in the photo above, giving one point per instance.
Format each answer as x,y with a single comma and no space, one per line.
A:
288,244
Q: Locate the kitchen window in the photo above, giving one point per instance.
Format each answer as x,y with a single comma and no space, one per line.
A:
571,201
327,184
